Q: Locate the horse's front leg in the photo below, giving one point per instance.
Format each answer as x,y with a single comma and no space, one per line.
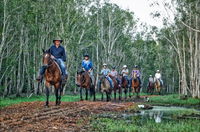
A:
115,94
58,91
86,93
47,85
129,92
125,92
107,96
94,94
101,96
81,97
120,93
60,94
56,94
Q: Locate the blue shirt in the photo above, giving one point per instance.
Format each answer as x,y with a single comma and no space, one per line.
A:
58,53
87,65
105,71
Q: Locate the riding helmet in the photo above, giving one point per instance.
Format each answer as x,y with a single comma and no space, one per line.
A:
86,55
125,66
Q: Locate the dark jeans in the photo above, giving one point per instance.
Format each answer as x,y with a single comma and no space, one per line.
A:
42,70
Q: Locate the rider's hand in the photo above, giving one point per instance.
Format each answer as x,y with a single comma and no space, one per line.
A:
52,57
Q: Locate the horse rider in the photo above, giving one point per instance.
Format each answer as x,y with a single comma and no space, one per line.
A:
114,73
137,71
59,55
88,66
125,73
151,80
105,72
158,76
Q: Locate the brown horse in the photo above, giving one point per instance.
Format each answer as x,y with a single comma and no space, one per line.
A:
135,84
116,87
150,87
157,85
105,87
124,85
83,80
52,77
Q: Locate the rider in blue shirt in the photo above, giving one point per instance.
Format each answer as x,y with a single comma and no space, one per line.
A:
58,54
88,66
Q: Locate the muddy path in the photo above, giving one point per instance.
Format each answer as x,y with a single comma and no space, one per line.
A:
70,116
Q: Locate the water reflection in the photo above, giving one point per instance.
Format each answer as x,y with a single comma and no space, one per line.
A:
157,114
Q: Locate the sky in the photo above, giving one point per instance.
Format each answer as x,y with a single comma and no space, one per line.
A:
142,10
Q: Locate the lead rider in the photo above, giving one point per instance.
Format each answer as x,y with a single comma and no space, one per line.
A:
59,55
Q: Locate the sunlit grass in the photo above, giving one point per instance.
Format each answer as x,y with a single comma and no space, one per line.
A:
136,125
174,99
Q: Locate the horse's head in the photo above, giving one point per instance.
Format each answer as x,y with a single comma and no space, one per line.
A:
46,57
134,75
79,78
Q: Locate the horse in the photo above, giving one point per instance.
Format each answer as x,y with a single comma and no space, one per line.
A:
150,87
135,84
157,85
52,76
105,87
116,87
83,80
125,85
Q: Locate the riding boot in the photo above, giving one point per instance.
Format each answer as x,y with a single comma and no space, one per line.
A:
42,71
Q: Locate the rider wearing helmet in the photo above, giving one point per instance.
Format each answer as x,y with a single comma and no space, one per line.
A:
125,73
114,73
137,71
105,72
88,66
158,76
151,80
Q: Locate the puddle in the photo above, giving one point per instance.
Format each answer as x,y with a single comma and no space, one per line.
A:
158,114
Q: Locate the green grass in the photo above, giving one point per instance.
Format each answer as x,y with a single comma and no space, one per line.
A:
138,125
8,101
156,100
66,98
173,99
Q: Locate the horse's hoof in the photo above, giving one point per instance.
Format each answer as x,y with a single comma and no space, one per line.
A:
46,106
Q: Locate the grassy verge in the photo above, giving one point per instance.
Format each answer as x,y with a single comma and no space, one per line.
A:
174,99
16,100
9,101
136,125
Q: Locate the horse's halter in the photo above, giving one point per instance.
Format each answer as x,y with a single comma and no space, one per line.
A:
50,60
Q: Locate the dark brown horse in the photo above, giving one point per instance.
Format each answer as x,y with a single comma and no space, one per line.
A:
83,80
150,87
135,84
52,77
124,85
105,88
116,87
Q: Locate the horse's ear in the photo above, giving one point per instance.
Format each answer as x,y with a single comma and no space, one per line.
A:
48,51
43,50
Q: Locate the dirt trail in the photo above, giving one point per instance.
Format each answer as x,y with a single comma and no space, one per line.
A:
70,116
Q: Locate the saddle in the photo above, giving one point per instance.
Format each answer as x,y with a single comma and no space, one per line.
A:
58,66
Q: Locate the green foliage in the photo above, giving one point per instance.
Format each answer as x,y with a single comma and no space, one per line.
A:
137,124
174,99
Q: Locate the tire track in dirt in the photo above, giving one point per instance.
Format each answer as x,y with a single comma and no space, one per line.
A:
34,117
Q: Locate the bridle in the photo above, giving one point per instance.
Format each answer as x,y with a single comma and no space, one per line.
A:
50,60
